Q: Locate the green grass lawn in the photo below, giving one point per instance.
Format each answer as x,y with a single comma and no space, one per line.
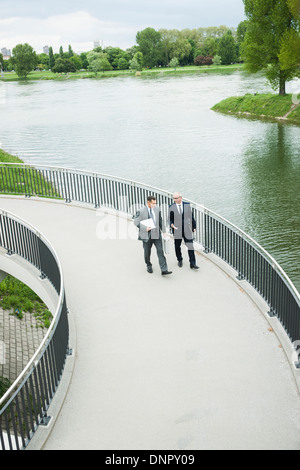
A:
18,298
47,75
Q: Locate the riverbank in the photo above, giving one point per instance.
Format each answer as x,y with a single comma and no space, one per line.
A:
48,75
262,106
27,182
8,158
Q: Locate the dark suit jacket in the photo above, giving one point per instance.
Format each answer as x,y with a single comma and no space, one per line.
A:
185,223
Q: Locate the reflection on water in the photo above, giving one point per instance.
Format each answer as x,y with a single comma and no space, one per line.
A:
162,132
272,196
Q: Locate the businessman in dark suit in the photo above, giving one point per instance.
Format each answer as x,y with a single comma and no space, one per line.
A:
152,236
183,224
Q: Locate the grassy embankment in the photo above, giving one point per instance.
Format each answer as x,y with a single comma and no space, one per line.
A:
47,75
262,106
7,158
15,296
20,180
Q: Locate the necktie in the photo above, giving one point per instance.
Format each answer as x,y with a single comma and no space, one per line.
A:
151,215
179,208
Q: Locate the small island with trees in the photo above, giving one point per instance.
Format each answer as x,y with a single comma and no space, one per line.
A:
270,45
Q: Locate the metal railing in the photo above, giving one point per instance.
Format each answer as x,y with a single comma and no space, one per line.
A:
24,406
217,235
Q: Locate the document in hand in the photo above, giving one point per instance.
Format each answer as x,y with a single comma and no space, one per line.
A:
148,223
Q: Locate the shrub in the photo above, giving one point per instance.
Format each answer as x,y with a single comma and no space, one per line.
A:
203,60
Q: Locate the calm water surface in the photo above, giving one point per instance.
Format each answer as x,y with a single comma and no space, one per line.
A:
161,131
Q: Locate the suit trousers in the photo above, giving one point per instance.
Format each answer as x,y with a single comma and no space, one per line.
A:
160,253
190,247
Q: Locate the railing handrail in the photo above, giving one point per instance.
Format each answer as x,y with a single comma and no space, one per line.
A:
56,315
242,233
274,263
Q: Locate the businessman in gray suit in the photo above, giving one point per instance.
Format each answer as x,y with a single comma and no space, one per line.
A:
152,236
183,225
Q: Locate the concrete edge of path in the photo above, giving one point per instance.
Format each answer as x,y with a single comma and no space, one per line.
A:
43,432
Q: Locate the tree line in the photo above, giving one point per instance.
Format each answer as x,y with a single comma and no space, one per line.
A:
267,41
153,48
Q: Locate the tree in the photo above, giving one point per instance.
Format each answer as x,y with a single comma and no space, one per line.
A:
217,60
174,63
98,62
24,60
166,42
76,60
114,56
51,58
210,47
84,61
63,66
270,25
289,56
138,56
227,49
150,44
70,52
122,63
134,65
175,44
241,31
43,61
181,49
100,65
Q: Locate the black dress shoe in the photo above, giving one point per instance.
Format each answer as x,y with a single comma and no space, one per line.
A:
180,264
149,269
164,273
194,266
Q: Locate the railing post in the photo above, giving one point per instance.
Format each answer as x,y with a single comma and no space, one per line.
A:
206,231
66,185
96,194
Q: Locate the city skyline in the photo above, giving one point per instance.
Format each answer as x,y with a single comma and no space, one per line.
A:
115,23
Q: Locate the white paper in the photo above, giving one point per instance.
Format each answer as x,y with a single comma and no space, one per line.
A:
148,223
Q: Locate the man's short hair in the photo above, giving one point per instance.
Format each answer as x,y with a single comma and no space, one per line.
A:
151,198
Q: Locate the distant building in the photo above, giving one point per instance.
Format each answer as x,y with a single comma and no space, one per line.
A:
46,50
98,44
6,53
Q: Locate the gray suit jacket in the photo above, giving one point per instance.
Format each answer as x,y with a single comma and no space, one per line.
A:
155,233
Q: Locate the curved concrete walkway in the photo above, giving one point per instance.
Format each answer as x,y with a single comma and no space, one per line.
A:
183,362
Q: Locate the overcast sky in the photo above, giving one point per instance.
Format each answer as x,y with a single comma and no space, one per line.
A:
115,22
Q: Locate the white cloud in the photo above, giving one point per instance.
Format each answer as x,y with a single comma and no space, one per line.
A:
115,22
79,29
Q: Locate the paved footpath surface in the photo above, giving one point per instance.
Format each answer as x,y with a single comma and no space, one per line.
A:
177,363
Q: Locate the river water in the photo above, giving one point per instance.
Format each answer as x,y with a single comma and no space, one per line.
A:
162,132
